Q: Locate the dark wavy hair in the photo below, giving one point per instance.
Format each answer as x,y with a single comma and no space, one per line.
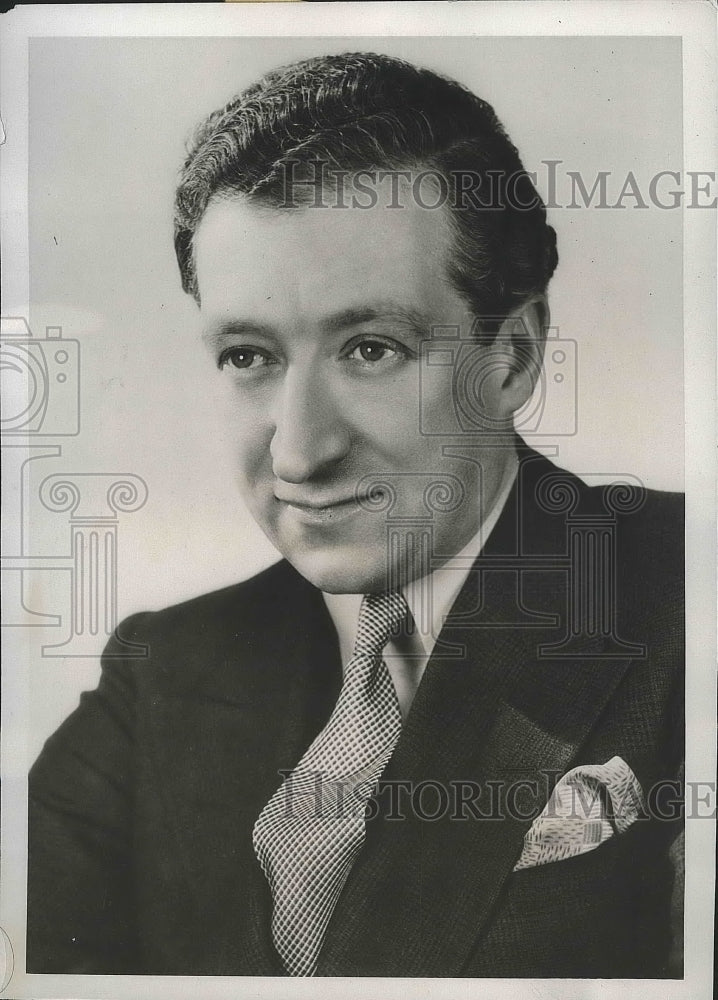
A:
361,111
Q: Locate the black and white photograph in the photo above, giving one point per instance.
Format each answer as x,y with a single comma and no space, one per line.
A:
359,558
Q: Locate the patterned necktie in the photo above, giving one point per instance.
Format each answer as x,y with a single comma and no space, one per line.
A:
311,830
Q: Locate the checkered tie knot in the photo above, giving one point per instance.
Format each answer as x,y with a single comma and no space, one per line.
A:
311,830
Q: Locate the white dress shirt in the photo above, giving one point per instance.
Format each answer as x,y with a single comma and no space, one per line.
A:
430,600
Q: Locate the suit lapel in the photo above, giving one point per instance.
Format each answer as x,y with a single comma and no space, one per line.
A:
221,741
495,726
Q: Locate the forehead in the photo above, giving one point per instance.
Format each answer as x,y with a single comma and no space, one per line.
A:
283,263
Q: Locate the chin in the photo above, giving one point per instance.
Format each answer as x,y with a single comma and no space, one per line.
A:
341,572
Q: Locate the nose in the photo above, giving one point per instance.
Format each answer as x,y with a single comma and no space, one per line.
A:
310,435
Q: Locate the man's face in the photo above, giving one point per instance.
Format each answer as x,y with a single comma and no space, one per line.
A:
318,321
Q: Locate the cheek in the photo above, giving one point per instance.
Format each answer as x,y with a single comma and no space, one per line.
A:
465,394
250,436
254,461
437,414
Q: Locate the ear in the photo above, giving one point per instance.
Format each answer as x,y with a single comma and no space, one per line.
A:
521,339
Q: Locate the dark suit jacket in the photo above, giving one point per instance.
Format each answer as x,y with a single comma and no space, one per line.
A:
142,804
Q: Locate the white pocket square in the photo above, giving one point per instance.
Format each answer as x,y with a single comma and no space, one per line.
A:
575,818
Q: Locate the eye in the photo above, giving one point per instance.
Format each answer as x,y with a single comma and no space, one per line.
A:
242,359
373,351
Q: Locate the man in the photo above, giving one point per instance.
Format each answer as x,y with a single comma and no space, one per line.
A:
442,736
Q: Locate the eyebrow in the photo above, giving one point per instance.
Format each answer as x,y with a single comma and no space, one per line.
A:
344,319
215,334
389,311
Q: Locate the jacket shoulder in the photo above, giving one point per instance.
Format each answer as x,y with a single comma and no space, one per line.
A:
229,609
650,534
182,641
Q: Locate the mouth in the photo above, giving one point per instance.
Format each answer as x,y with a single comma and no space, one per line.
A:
321,511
